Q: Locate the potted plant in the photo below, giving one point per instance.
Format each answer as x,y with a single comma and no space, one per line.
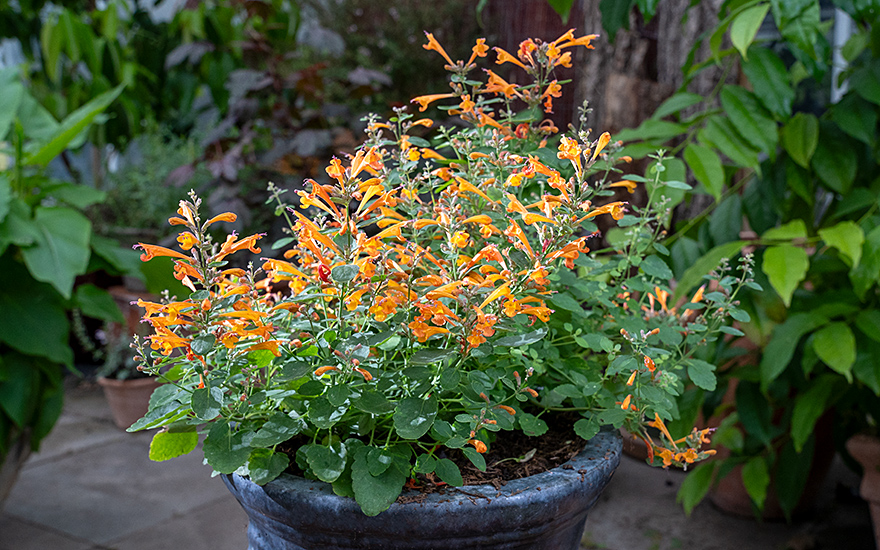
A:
793,169
45,243
409,331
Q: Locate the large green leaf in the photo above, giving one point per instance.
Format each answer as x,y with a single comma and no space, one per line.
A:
224,450
770,79
615,16
799,21
12,92
756,479
676,103
72,126
749,118
856,117
707,169
97,303
33,319
264,465
745,26
800,137
693,275
19,388
866,82
780,348
836,346
374,494
847,237
562,7
722,134
61,251
809,405
786,266
652,129
835,160
168,444
413,416
696,485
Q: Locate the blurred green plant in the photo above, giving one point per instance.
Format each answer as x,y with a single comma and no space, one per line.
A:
795,177
45,244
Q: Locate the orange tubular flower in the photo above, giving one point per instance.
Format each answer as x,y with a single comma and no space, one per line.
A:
152,251
509,410
478,445
603,141
423,331
365,373
629,185
479,50
187,240
582,41
425,100
497,85
321,370
271,345
504,57
435,46
228,217
232,244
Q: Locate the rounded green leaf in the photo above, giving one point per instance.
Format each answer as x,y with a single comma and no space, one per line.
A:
756,478
786,266
413,417
61,249
749,118
836,346
800,138
171,444
770,80
847,237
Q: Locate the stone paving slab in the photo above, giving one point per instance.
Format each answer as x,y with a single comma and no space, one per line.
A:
16,534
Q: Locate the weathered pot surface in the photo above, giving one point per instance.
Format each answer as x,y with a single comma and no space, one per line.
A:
544,511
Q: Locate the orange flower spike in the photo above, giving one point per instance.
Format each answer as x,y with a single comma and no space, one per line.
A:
660,425
479,218
503,290
153,251
460,239
604,139
582,41
509,410
321,370
626,401
522,242
316,234
504,57
532,218
649,364
531,392
632,378
478,445
435,46
271,345
514,205
464,185
426,122
185,211
335,170
497,85
479,50
698,296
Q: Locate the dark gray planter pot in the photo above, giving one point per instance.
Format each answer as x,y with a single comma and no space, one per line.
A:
545,511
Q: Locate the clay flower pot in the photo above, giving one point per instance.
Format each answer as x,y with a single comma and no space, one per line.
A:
545,511
129,399
866,450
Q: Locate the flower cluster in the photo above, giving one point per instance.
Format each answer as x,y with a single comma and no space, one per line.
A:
416,307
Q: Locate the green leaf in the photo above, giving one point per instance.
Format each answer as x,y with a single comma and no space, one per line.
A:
847,237
693,276
519,340
856,117
726,222
795,229
429,356
676,103
702,374
745,26
754,411
207,402
800,137
587,428
615,16
696,486
72,126
655,267
780,347
224,450
61,250
756,478
33,319
562,7
77,196
792,471
12,93
203,344
373,402
651,130
264,465
809,405
374,494
344,273
835,160
97,303
475,458
279,428
770,80
171,444
749,118
836,346
323,414
448,471
707,169
866,82
20,387
868,321
722,134
327,461
531,425
413,416
785,266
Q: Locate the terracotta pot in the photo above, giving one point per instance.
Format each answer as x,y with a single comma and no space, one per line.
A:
866,450
541,512
129,399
